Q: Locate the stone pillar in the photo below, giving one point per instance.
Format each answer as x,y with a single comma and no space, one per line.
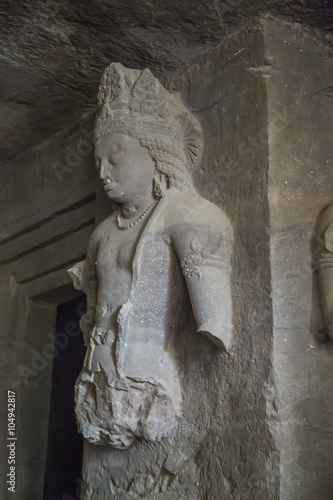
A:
300,113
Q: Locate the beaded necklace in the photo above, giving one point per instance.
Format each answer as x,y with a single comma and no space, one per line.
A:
136,221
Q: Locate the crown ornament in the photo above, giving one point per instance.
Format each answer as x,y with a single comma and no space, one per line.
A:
134,102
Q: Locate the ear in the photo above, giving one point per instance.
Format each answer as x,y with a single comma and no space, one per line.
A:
160,185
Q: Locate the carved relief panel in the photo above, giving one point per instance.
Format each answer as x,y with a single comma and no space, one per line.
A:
161,247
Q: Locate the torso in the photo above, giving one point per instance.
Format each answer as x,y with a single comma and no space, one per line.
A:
114,269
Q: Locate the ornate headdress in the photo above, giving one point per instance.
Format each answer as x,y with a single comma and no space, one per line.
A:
134,102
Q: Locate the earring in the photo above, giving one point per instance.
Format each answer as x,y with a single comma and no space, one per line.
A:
159,184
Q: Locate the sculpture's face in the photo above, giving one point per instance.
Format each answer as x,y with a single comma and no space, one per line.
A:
126,168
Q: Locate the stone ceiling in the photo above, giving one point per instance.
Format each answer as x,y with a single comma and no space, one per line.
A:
52,52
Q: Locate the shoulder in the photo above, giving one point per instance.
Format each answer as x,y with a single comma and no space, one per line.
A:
194,221
187,208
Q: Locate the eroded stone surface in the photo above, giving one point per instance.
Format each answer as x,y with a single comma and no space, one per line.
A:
53,53
161,249
223,447
227,402
300,187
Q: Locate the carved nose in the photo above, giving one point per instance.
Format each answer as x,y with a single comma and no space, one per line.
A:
102,172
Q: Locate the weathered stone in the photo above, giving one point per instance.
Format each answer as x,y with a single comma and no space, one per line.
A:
163,239
215,456
39,180
53,53
264,109
300,108
59,225
38,225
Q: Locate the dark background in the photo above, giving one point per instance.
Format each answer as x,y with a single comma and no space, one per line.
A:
65,444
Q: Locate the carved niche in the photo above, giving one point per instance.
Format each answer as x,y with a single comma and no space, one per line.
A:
161,244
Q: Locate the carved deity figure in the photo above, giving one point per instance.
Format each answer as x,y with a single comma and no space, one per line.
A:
162,247
324,268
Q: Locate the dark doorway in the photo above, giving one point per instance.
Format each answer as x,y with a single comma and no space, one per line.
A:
65,444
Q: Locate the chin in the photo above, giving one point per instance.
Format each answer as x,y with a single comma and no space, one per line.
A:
115,198
110,195
118,197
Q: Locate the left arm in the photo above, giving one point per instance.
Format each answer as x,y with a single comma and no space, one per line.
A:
204,249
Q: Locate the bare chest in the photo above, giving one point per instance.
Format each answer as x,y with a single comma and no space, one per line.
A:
116,250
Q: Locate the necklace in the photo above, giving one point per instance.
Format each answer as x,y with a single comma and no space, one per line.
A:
136,221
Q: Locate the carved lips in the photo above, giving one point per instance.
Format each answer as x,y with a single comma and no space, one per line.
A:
109,185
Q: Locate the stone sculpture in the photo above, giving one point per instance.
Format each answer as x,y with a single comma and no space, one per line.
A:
324,268
160,247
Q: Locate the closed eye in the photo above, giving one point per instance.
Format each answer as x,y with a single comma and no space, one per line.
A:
118,149
113,159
